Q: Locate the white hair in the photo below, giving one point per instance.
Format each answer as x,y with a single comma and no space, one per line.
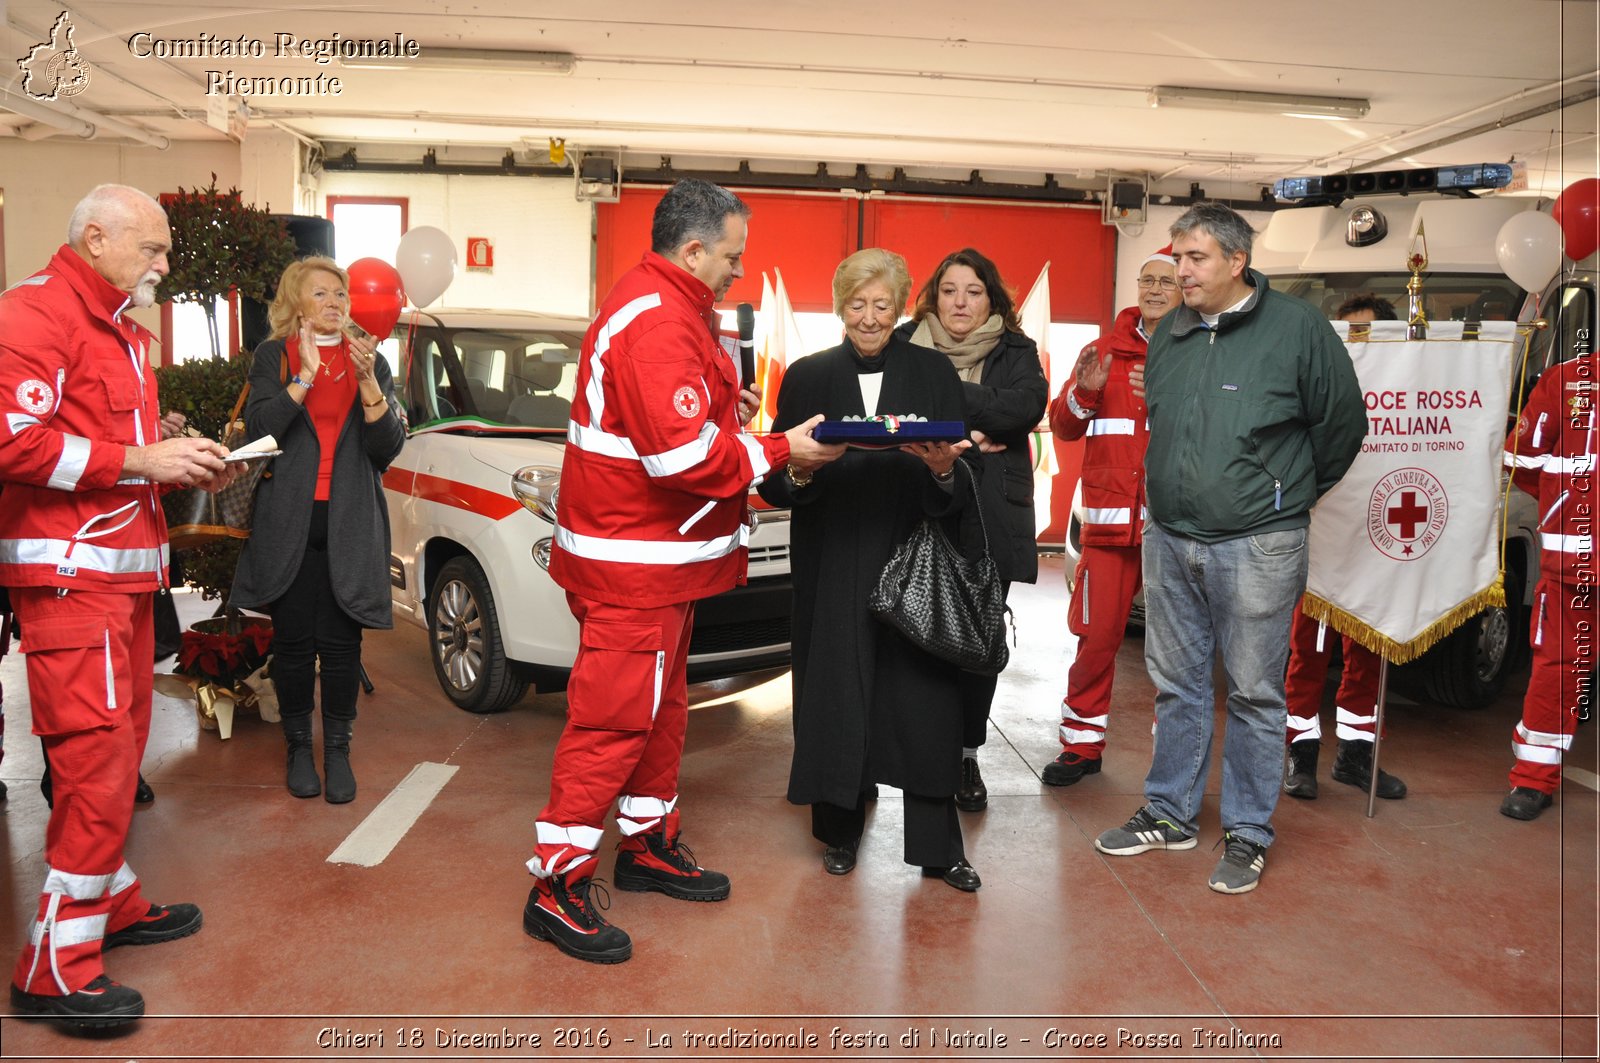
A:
110,205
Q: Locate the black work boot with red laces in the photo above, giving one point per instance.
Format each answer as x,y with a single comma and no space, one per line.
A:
100,1004
567,912
650,862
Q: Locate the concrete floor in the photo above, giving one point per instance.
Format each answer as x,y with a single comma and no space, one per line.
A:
1438,929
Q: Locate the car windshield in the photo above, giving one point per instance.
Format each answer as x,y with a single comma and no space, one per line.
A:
1445,296
521,378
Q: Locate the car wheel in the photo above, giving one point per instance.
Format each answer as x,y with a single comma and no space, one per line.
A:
464,633
1469,668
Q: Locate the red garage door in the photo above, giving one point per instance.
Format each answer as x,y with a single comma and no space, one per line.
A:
804,235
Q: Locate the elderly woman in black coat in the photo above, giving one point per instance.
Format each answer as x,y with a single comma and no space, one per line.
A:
317,559
869,706
966,313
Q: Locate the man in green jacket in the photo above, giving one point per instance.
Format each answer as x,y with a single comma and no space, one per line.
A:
1254,413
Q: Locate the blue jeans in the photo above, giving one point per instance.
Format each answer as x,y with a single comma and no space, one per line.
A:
1236,596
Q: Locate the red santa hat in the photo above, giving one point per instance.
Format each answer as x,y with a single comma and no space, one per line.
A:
1163,255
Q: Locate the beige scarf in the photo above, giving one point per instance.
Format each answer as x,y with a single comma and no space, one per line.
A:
966,355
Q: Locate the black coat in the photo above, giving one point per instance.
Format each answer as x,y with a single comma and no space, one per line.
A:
358,517
1005,404
868,705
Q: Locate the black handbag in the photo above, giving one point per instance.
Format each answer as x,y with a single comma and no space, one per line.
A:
944,604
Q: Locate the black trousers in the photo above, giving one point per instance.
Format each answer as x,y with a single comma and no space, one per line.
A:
932,830
977,698
308,626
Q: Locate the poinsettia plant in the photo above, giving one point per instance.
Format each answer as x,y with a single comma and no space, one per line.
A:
224,650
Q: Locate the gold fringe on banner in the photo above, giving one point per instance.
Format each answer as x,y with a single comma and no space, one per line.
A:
1401,652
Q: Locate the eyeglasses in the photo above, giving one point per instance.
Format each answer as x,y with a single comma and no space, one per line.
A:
1166,284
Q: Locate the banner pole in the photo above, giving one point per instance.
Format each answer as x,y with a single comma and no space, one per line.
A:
1377,734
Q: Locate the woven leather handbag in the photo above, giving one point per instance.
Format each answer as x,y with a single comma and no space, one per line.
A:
950,607
196,516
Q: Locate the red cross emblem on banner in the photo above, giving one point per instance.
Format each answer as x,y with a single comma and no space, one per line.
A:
1407,513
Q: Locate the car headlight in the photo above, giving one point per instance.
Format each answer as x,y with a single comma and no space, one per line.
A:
538,488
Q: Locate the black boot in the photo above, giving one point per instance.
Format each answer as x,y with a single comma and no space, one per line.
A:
1300,769
341,781
302,774
971,794
1353,767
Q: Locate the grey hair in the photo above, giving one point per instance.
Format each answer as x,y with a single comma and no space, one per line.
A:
1224,224
693,210
110,205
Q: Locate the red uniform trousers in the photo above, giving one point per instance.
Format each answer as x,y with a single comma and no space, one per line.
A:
627,711
1107,579
89,682
1562,632
1355,704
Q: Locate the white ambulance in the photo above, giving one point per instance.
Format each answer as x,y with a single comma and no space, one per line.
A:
472,503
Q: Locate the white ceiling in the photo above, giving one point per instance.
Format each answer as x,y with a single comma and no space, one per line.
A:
941,87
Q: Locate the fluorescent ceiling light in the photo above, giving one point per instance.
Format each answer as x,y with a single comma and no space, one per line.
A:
469,61
1295,105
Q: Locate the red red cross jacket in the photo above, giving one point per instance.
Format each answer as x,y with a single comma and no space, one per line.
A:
1551,453
657,468
75,391
1116,424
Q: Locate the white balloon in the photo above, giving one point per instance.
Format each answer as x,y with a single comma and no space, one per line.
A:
426,259
1528,248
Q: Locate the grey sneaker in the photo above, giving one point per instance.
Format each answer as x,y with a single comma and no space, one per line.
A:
1240,867
1141,834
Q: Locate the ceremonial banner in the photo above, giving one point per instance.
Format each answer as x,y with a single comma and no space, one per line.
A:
1406,547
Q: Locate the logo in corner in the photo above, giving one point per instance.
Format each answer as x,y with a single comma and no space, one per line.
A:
54,69
35,396
1406,513
686,401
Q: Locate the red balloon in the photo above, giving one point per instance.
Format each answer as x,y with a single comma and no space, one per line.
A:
1577,208
376,295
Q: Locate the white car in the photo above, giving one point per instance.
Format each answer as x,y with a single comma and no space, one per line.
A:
472,500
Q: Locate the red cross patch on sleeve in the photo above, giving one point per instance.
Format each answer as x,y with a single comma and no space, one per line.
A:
686,400
35,396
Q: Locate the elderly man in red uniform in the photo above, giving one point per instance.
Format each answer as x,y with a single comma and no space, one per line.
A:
83,546
1105,402
1551,454
651,518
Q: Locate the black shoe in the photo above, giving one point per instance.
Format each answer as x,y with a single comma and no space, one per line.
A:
1525,803
340,785
1353,767
971,795
1300,769
101,1003
300,776
163,922
838,860
2,791
566,915
1068,768
961,875
870,793
142,794
668,867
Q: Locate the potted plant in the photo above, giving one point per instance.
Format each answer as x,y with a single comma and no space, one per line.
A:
222,245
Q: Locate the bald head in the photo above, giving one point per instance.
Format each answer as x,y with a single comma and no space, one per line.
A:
123,234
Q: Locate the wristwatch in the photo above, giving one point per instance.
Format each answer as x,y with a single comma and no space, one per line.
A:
303,383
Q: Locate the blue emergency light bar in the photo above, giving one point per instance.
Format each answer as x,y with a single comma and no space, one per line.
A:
1438,178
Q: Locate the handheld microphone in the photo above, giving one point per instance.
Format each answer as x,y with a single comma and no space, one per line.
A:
747,344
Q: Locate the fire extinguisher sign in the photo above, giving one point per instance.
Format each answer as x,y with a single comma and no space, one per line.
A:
480,253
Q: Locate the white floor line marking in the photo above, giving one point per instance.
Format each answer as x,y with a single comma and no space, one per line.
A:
371,842
1582,777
